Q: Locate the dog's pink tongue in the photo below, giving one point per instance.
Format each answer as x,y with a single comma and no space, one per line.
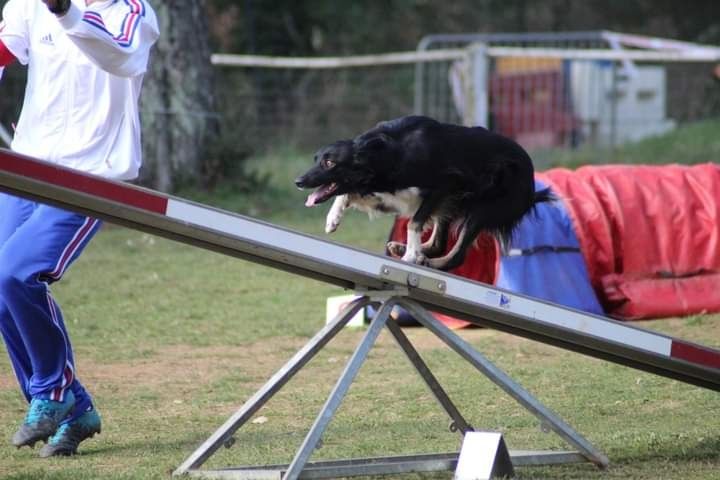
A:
312,199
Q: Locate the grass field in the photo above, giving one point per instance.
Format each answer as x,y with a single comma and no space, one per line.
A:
695,143
171,340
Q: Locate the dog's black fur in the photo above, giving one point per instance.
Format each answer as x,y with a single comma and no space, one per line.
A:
427,170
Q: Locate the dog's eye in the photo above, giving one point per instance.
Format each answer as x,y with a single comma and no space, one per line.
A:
327,163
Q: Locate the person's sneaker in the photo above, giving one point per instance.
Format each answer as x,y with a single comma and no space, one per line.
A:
70,434
42,419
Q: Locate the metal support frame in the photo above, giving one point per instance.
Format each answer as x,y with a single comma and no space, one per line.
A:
300,467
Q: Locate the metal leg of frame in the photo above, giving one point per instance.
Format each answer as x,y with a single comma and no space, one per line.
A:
502,380
224,434
301,468
339,391
458,421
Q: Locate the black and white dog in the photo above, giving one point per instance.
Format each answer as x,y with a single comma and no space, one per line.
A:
448,175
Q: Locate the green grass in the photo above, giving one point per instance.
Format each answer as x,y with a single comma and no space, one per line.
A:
171,340
696,143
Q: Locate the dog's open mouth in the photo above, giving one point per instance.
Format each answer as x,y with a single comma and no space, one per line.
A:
321,194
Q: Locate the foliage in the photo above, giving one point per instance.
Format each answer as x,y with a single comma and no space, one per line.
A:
224,160
288,27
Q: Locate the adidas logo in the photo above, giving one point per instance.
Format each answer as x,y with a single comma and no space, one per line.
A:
47,39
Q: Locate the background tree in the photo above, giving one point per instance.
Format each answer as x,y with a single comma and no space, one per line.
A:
179,116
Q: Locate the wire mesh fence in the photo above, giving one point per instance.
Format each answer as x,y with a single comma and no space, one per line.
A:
306,108
437,83
548,91
552,91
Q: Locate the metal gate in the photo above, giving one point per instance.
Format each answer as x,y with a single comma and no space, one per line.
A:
568,90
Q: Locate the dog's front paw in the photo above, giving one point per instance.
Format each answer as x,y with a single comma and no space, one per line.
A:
414,257
332,224
332,221
335,215
396,249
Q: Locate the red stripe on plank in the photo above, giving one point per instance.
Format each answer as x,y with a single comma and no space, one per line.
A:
82,182
695,354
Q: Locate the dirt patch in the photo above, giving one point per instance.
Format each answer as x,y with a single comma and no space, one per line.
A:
176,370
179,368
175,366
7,379
182,364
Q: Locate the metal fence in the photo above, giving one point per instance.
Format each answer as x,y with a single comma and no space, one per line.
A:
306,107
546,90
570,90
436,84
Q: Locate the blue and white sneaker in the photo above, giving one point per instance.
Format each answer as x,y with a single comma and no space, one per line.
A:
42,420
70,434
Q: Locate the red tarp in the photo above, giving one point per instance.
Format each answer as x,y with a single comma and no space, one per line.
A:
650,235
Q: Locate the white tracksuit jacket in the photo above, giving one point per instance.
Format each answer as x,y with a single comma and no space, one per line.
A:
85,72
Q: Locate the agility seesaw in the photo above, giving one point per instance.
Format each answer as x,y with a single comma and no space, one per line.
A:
385,283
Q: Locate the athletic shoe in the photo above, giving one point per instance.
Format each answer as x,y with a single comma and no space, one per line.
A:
42,419
70,434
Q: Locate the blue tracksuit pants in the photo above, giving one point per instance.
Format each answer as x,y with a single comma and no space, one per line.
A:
37,245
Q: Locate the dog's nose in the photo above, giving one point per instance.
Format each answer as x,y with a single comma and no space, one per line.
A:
299,182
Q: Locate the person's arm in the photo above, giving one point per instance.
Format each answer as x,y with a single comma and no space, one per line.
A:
124,53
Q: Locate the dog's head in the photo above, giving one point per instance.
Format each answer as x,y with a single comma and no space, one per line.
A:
330,174
348,166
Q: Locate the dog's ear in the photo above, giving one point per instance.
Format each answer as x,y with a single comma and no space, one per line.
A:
376,142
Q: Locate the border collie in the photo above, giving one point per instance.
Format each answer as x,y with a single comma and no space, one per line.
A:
438,174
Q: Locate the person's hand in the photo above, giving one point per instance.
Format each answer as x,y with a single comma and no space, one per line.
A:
58,7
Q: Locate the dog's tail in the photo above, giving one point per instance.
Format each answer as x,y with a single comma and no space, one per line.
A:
544,195
504,235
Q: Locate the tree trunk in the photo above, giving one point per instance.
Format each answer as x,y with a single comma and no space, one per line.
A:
178,101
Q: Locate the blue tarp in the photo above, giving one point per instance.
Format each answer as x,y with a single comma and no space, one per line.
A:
544,260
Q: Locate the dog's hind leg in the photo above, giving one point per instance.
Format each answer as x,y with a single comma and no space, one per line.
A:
428,248
435,245
335,215
455,257
413,251
396,249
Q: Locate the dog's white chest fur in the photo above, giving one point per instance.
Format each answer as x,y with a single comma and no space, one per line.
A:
403,202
